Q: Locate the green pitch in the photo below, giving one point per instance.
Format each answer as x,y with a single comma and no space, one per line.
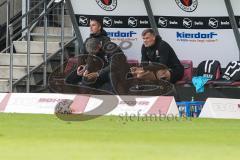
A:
43,137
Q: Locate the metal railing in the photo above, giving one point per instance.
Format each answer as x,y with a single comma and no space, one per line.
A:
7,3
48,7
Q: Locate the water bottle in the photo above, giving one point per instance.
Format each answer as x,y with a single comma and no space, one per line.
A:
194,110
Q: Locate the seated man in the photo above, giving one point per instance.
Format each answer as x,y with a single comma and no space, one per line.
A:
102,68
155,50
87,71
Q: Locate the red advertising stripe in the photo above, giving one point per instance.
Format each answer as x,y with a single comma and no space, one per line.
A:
161,106
4,102
79,103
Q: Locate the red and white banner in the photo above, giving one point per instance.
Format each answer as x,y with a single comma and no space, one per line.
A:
42,103
221,108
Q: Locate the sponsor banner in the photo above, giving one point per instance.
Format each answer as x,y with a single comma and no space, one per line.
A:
123,20
132,105
3,100
129,40
118,7
205,31
221,108
2,95
161,21
115,21
41,103
197,29
200,45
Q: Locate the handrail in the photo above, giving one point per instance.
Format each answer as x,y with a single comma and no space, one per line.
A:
19,19
48,7
3,3
26,14
35,20
13,18
49,4
37,67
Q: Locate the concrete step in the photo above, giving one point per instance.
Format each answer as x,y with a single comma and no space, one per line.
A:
51,38
36,47
67,20
3,85
56,31
21,59
53,34
19,72
21,87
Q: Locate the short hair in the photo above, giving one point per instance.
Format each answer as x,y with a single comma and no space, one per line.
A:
149,30
92,44
98,20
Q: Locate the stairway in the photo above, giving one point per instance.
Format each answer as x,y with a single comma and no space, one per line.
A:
36,58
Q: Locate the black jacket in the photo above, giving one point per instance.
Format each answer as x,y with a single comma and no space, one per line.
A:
102,37
162,52
114,62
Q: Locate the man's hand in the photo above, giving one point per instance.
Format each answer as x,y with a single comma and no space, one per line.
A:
92,76
163,74
136,71
81,70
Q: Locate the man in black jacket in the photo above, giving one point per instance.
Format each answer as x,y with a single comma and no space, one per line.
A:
97,31
104,68
156,50
89,65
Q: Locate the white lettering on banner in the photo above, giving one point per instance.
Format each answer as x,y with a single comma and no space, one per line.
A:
173,22
225,23
221,108
118,22
143,22
199,23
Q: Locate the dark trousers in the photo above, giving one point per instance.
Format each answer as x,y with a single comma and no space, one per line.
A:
103,84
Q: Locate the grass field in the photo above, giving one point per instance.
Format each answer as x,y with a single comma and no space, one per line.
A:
25,137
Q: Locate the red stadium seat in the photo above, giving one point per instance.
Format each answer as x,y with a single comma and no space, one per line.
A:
70,65
133,62
188,72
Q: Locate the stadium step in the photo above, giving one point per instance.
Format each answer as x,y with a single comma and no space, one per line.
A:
36,58
53,34
67,20
4,85
20,59
19,72
36,47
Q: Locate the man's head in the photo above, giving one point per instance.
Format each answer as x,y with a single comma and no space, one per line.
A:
93,45
95,26
149,37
